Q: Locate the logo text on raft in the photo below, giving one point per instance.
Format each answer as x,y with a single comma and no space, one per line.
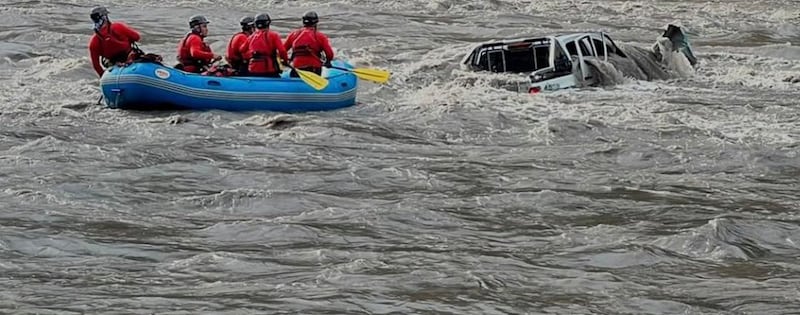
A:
161,73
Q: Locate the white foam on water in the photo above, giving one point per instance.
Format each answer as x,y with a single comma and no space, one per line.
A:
36,87
607,73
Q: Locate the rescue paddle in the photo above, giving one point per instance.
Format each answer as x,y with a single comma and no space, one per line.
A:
374,75
310,78
369,74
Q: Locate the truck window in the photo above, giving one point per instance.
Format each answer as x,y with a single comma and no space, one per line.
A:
542,55
520,59
586,48
598,45
572,49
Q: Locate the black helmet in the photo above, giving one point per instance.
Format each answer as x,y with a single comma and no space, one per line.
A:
98,13
247,21
263,20
310,18
197,20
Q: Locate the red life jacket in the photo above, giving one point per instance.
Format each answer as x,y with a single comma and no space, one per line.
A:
264,58
235,58
189,63
112,47
306,44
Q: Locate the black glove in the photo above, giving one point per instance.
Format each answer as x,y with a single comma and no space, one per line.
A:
328,64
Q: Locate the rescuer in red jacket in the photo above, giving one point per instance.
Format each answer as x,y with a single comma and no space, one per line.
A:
111,41
194,55
234,54
307,44
263,49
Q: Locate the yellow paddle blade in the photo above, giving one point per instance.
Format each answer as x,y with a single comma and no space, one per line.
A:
312,79
374,75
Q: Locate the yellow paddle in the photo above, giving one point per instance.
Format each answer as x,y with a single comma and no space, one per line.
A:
374,75
310,78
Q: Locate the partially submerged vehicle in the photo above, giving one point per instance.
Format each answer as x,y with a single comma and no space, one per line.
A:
570,60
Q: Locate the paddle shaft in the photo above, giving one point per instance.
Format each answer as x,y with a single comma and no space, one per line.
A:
374,75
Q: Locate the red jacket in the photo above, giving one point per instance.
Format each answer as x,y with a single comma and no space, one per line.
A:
194,53
234,55
306,44
112,41
261,48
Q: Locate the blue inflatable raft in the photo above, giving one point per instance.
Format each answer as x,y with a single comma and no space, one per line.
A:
154,86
